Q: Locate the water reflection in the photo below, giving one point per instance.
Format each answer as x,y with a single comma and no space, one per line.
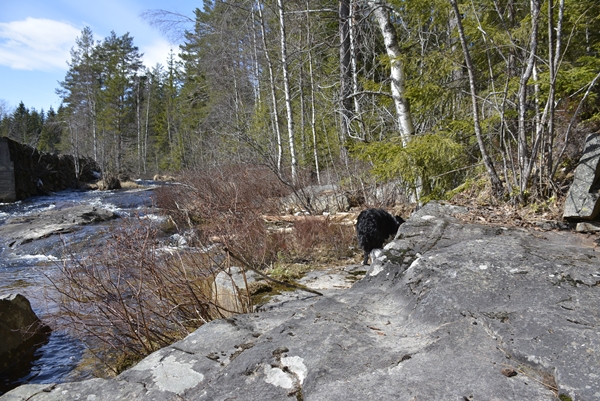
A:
54,361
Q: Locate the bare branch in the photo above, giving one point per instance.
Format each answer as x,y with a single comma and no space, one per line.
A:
172,25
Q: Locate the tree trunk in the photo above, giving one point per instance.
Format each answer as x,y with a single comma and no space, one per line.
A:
555,34
524,157
357,113
405,121
345,68
497,186
146,131
257,94
275,109
286,88
313,116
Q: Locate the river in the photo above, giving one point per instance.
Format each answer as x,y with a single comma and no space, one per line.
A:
25,270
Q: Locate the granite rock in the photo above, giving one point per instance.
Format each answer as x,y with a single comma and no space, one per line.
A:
447,311
21,330
582,199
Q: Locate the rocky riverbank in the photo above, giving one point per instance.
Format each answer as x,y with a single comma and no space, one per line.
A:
450,311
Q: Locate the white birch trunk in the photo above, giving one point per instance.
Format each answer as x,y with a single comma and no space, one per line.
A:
256,66
554,58
313,116
286,88
345,71
275,110
403,115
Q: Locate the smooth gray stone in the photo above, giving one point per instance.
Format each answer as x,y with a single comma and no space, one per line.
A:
449,311
24,229
582,199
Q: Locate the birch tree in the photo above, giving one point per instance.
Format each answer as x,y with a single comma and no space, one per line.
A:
287,91
345,68
397,79
272,87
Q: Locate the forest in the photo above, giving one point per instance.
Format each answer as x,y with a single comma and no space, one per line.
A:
433,94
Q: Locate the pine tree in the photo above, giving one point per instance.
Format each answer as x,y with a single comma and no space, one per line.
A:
120,62
51,133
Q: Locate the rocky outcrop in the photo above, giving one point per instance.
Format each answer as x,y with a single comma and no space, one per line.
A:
20,330
582,199
39,173
23,229
448,311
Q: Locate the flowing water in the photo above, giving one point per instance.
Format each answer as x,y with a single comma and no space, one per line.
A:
25,270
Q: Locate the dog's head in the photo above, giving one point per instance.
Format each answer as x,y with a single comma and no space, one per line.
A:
399,220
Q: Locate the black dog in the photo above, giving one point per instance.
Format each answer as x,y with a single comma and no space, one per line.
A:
373,227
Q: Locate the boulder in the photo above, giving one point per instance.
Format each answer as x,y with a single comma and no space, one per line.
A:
447,311
388,193
20,329
230,291
582,199
109,182
164,178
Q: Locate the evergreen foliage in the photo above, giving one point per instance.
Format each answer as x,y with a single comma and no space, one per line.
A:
433,161
518,98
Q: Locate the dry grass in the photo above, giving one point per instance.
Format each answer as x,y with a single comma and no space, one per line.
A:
484,208
130,185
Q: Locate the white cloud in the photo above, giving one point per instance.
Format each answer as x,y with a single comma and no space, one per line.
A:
158,52
36,44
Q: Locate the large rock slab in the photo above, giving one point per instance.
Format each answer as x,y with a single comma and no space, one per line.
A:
24,229
317,200
449,311
582,199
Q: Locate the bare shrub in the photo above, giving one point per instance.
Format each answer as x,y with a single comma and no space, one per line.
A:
131,297
226,205
318,238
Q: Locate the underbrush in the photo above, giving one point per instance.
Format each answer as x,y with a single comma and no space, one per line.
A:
134,295
228,206
483,207
319,239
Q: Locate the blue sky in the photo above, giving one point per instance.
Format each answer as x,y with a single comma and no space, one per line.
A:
37,35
